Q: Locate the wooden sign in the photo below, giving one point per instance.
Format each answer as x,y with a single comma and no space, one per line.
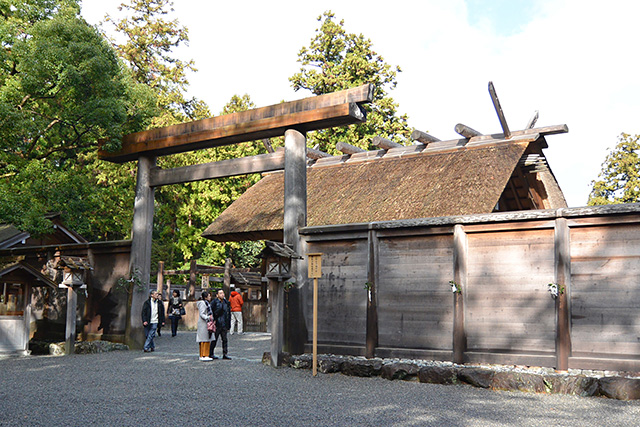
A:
315,266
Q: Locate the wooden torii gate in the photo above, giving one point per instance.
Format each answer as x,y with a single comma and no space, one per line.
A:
291,119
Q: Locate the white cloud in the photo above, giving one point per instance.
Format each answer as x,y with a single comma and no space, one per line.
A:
573,61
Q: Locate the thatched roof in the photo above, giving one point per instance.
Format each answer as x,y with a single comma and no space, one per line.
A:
402,183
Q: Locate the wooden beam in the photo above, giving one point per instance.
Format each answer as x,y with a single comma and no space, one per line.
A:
70,327
191,293
496,105
267,144
562,244
348,148
466,131
425,138
232,167
295,217
532,120
460,251
384,143
334,109
373,273
315,154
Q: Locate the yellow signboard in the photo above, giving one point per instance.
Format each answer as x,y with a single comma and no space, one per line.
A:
315,266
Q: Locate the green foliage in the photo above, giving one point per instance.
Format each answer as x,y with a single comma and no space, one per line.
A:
619,179
63,88
150,39
336,60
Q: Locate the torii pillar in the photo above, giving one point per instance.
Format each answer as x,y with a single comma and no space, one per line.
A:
295,217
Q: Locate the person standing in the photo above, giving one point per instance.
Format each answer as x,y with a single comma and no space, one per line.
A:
236,301
174,308
152,316
222,316
203,336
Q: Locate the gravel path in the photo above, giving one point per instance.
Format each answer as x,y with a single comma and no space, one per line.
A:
170,387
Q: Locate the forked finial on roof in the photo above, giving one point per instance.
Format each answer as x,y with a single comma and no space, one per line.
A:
496,105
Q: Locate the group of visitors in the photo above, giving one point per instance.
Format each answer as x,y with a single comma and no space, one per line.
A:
216,317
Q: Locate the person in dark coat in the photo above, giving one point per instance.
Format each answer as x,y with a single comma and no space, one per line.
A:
222,315
174,309
152,316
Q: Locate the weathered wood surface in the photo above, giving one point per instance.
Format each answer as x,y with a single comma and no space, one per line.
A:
509,315
423,137
507,304
605,293
224,168
460,275
466,131
384,143
562,245
347,148
312,153
373,278
334,109
496,104
295,217
414,297
342,305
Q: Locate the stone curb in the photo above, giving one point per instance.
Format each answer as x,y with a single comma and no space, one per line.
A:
494,377
80,347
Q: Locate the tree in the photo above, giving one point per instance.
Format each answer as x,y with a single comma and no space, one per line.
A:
619,179
147,50
62,89
337,60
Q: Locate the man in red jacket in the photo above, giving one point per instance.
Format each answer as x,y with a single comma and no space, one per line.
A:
236,302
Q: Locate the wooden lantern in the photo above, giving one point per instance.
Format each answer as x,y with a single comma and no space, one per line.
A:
277,258
73,271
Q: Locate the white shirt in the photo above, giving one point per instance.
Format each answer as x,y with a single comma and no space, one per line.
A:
154,311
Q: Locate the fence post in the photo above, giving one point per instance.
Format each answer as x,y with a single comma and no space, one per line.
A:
562,246
460,277
372,306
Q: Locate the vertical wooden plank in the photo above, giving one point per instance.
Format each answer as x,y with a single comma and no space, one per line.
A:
160,279
295,216
70,330
27,319
140,261
226,281
193,270
460,250
277,312
563,279
315,327
372,307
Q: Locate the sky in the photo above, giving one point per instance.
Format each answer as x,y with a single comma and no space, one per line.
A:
574,61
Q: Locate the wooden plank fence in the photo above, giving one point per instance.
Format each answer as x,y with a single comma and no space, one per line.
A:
385,288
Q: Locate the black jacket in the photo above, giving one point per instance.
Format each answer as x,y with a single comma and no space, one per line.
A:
221,313
146,311
171,305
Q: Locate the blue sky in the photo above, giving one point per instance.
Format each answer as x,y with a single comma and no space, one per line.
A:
572,60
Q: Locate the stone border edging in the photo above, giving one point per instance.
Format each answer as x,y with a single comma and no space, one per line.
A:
80,347
494,377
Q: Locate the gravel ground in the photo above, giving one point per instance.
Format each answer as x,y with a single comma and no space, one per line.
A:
170,387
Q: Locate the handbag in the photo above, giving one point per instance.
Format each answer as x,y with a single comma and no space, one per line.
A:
182,311
211,326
